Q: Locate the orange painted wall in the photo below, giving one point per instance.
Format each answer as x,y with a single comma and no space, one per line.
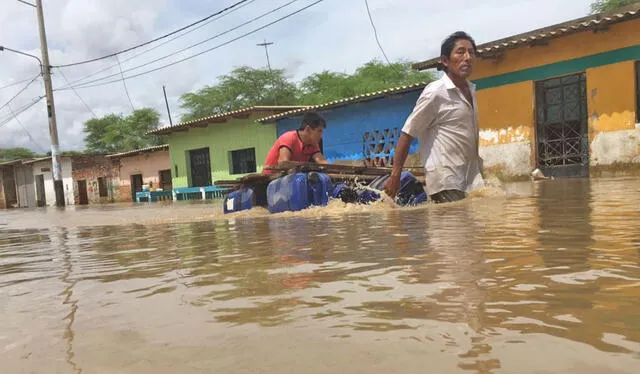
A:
611,97
505,113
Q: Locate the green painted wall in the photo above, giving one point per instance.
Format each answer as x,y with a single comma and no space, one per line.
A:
221,138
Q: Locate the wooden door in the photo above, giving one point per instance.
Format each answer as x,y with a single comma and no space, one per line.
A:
83,196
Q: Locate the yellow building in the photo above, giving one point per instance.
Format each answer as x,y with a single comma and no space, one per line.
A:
564,98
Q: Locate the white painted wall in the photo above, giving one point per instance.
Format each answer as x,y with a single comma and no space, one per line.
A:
616,146
514,159
67,180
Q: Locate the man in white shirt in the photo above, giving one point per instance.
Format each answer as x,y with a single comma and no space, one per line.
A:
445,123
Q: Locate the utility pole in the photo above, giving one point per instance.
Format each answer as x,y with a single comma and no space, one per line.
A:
167,102
265,45
51,111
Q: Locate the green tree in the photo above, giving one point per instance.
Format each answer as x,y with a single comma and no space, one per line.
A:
9,154
325,87
600,6
116,133
244,87
370,77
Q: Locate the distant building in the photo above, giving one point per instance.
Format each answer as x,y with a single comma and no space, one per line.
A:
8,191
42,180
95,179
565,98
224,146
147,166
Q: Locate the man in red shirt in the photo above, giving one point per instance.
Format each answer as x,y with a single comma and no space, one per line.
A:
302,145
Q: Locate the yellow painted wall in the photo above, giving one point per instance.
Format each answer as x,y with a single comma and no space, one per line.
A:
505,113
625,34
611,98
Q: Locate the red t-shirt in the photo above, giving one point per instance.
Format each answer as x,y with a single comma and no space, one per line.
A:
299,152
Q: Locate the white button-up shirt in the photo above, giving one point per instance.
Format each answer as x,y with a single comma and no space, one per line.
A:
445,124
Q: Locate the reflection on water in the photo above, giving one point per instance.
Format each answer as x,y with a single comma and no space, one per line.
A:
546,280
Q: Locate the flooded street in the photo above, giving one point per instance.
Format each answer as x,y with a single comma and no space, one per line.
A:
544,278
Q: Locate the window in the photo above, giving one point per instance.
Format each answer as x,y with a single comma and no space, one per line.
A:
378,146
102,187
243,161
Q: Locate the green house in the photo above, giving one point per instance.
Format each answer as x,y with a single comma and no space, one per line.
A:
220,147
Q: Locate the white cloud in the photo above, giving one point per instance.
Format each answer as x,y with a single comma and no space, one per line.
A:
334,35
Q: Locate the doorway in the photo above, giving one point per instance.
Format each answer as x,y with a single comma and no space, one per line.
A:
200,167
165,180
83,196
41,197
136,185
561,126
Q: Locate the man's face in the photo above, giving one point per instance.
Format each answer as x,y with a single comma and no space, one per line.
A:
315,135
460,62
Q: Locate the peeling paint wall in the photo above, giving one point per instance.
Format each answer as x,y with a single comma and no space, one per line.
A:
505,119
507,107
507,160
613,147
611,98
89,169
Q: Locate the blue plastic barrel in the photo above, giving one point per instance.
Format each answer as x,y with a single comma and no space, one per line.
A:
298,191
238,200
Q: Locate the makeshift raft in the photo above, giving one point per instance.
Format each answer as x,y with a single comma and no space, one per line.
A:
295,186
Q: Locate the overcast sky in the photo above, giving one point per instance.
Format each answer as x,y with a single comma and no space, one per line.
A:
333,35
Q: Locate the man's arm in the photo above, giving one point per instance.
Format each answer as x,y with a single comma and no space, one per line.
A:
422,117
284,154
318,158
392,185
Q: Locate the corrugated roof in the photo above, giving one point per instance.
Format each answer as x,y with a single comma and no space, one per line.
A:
33,161
359,98
596,21
13,162
140,151
223,116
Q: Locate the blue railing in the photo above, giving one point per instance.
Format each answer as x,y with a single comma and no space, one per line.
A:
153,196
183,193
199,193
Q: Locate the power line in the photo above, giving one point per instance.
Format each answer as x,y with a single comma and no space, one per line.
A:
77,94
20,111
82,85
200,53
153,40
25,130
375,32
124,83
158,45
16,83
19,92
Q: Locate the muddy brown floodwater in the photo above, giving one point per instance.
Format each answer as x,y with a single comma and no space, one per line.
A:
541,278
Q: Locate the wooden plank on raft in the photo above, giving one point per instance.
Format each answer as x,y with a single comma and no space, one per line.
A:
336,172
293,167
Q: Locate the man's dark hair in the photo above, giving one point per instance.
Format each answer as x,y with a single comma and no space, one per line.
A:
313,120
447,46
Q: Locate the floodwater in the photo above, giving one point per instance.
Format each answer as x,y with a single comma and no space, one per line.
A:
537,277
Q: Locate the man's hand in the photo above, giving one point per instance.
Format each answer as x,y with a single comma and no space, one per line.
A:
392,185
